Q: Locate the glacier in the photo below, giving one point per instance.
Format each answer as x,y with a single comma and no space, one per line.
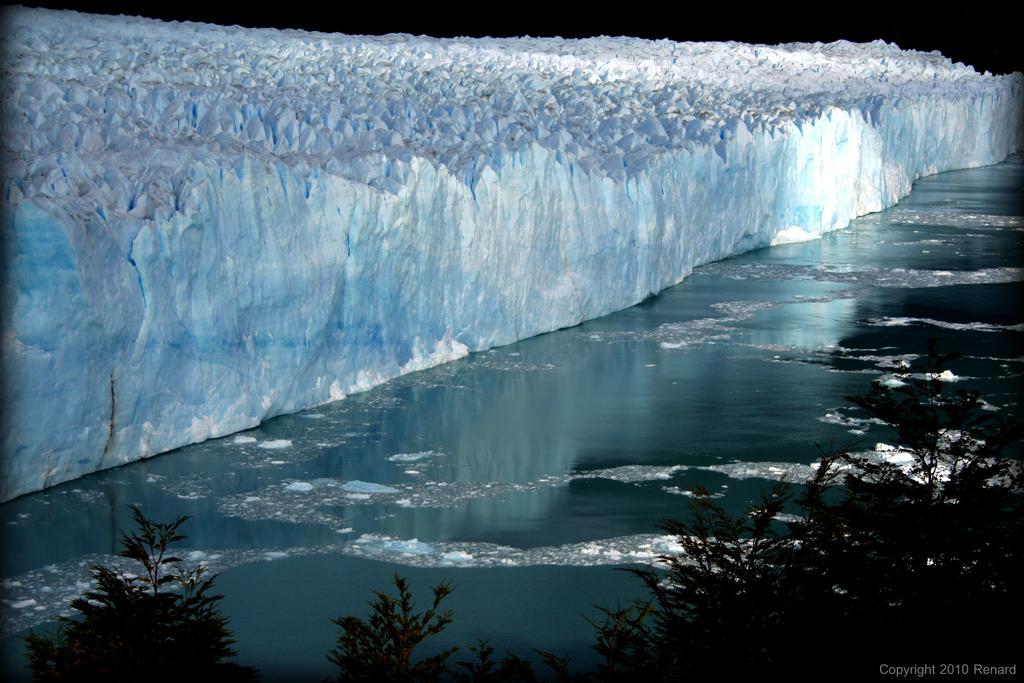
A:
205,227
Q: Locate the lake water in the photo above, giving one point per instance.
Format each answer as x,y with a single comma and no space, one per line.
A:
525,475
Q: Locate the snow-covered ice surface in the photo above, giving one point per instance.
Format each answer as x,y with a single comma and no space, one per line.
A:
205,227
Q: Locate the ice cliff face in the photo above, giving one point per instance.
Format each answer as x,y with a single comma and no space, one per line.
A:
205,227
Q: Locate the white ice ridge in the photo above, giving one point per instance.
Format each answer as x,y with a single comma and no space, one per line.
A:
205,227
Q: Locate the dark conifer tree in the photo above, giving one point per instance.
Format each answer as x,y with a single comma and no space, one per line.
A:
380,647
162,624
909,559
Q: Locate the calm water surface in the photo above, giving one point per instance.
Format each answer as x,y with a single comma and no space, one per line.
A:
526,474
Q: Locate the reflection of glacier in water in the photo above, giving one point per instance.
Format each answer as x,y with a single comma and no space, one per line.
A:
568,448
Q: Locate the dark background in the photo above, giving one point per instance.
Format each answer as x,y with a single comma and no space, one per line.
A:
981,34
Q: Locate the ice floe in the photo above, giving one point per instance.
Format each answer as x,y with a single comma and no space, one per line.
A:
931,322
43,594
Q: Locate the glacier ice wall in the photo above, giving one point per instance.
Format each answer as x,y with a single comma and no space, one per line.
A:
205,227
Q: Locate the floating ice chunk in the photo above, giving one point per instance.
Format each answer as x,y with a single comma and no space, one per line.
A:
668,547
954,218
276,444
789,518
944,376
274,554
274,502
678,491
878,277
411,457
356,486
457,556
618,550
788,471
633,473
968,327
412,546
893,454
243,439
836,418
300,486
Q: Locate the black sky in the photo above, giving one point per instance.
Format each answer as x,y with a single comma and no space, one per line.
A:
978,33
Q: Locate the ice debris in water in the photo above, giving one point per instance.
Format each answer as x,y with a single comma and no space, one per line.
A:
836,417
944,376
785,471
972,327
408,547
877,277
689,493
49,590
411,457
314,504
910,216
789,518
456,557
689,333
356,486
276,444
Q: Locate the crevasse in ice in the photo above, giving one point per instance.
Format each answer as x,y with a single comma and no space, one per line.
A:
204,227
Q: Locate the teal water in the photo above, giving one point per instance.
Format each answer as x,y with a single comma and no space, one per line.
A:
527,474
